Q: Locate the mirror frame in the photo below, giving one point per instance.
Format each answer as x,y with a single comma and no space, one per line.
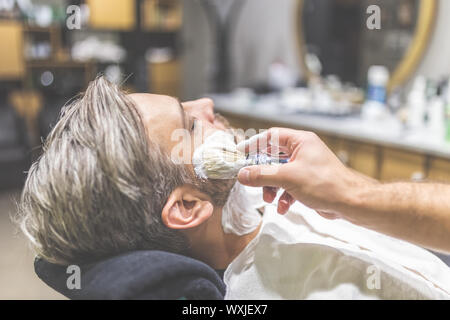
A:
413,55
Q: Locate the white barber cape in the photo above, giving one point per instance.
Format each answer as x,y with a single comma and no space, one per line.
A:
303,256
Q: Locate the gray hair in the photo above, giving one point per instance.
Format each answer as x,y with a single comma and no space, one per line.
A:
99,187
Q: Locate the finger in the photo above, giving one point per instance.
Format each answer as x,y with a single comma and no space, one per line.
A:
277,151
255,144
269,194
281,137
264,176
284,203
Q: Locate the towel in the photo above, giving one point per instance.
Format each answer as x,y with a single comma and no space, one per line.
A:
303,256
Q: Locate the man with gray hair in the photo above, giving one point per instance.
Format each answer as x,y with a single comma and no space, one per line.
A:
105,174
107,184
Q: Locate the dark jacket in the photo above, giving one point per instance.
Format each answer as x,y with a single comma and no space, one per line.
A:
137,275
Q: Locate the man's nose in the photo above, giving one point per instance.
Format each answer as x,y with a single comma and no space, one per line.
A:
202,109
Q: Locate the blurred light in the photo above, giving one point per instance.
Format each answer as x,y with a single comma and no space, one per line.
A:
6,5
114,74
47,78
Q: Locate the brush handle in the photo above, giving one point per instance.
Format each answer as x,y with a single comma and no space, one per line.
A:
262,159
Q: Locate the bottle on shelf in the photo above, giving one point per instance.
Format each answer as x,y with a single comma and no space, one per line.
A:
436,113
417,103
375,106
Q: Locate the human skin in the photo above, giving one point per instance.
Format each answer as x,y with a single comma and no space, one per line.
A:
189,210
415,212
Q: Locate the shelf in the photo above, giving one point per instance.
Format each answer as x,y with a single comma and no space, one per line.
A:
58,64
29,28
161,30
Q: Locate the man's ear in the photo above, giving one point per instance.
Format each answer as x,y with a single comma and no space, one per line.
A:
186,208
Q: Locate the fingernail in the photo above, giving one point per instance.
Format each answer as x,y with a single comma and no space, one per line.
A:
244,175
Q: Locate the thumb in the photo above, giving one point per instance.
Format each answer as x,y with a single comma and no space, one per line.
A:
261,176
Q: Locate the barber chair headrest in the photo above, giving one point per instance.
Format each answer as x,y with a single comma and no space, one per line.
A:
136,275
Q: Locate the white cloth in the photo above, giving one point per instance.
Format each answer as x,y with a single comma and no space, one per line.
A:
240,213
304,256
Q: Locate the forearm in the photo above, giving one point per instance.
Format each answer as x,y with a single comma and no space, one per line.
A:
415,212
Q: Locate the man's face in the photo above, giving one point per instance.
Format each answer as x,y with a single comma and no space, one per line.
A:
164,115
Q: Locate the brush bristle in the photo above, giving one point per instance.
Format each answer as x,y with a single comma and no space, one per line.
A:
218,157
222,164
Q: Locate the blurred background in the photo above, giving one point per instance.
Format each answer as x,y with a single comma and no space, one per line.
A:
371,77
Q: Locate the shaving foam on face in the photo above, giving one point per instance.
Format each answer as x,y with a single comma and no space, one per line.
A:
240,215
217,146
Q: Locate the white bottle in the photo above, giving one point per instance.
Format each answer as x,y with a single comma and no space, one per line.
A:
436,117
417,103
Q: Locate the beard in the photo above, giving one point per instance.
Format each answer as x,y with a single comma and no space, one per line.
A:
217,190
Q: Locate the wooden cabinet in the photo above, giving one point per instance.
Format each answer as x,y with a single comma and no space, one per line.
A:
439,170
365,159
12,64
112,14
359,156
400,165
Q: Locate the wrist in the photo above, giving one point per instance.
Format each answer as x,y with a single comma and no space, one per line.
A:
357,202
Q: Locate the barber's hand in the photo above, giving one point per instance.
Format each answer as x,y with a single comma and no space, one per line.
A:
314,175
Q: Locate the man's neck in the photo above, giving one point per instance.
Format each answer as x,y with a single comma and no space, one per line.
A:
217,248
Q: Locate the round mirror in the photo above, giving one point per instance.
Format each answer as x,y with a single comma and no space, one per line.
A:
349,36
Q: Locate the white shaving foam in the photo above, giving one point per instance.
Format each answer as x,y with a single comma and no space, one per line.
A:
240,215
216,147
